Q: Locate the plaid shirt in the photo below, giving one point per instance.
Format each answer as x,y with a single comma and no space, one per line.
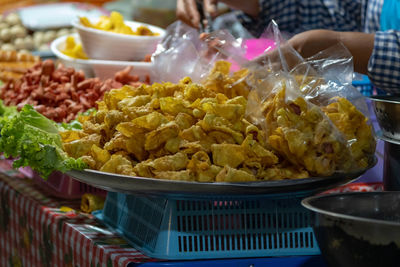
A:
384,63
294,16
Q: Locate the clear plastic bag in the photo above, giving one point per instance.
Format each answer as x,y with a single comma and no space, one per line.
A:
312,115
230,22
183,53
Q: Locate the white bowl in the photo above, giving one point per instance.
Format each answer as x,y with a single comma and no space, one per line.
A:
77,64
106,45
103,69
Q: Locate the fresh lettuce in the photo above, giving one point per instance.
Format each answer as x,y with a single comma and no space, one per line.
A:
6,113
75,124
72,125
35,141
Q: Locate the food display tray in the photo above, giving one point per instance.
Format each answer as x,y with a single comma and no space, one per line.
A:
176,228
153,186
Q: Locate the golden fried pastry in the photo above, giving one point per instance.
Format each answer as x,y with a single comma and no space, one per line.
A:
201,132
183,131
83,146
354,125
91,202
303,135
228,174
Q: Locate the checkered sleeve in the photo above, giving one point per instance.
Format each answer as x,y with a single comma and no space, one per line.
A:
294,16
384,63
371,15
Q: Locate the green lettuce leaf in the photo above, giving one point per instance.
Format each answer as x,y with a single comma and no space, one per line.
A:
6,113
35,141
75,124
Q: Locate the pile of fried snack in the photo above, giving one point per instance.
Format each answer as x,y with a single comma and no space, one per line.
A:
199,132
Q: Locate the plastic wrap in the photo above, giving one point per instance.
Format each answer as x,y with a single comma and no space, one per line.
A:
230,22
184,53
312,115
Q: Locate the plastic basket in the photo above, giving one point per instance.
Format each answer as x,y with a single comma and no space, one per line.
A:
63,186
218,227
364,85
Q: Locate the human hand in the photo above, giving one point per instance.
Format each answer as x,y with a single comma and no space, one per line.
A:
186,10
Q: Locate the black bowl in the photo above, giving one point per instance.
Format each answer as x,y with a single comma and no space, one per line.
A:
357,229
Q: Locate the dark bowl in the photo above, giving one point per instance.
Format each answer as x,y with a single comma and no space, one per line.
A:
357,229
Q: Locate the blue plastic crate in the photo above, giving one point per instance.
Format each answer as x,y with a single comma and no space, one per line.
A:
219,227
364,85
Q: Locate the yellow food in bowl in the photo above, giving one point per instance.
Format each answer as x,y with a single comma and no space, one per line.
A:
115,23
73,49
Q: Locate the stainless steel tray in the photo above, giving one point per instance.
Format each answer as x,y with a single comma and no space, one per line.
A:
152,186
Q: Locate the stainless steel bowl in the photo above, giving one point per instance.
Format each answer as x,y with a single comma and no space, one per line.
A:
387,110
391,164
357,229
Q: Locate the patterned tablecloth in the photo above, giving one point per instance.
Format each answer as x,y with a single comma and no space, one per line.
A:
39,230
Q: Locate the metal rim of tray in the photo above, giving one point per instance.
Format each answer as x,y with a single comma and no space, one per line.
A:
153,186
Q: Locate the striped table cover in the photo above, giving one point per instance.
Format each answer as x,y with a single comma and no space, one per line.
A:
39,230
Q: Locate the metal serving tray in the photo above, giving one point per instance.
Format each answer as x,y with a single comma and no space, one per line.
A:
152,186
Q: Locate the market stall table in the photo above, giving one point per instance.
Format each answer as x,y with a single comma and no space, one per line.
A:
39,230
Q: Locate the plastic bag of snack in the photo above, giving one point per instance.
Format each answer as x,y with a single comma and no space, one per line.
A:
311,113
185,52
